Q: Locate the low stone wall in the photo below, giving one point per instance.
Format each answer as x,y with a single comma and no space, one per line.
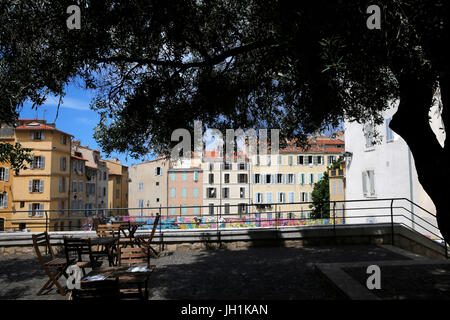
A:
237,239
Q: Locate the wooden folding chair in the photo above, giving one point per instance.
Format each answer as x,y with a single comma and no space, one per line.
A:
132,256
108,230
144,240
54,268
82,247
107,289
135,285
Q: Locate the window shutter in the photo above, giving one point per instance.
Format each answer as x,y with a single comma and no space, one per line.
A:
41,185
32,163
60,184
42,162
372,182
43,135
39,212
32,135
30,210
293,177
5,200
7,174
30,186
364,183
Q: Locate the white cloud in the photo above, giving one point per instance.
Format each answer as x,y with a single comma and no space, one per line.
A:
67,102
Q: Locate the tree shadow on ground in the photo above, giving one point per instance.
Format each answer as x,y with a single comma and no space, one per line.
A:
257,273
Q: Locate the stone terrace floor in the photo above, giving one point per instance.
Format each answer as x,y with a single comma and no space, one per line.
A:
255,273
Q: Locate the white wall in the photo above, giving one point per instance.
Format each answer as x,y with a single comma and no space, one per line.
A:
395,175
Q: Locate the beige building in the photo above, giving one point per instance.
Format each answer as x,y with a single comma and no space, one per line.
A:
289,177
148,187
117,187
226,185
96,182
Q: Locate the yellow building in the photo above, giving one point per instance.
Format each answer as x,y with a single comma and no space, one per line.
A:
117,187
6,184
289,177
39,195
337,189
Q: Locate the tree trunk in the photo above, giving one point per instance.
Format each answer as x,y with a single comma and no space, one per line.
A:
411,122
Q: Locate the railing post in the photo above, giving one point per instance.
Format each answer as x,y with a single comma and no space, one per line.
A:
334,220
161,237
392,221
46,221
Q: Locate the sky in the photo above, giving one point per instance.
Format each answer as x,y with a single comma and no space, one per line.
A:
74,117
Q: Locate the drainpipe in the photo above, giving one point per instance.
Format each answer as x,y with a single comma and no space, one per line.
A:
411,195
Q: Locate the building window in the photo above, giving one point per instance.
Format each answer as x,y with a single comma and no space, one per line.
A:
4,174
310,160
331,159
211,166
37,135
303,197
184,193
104,175
257,178
35,209
280,178
368,181
195,192
63,139
301,178
227,208
211,178
281,197
117,194
184,176
226,166
38,162
62,184
242,193
158,171
227,178
368,134
269,197
258,197
319,160
36,186
290,160
311,178
3,200
267,178
63,164
291,196
389,132
242,166
226,193
242,208
300,160
242,178
290,178
172,192
211,192
195,176
141,186
211,208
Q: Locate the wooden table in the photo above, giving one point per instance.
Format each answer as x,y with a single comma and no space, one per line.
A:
137,280
131,227
108,243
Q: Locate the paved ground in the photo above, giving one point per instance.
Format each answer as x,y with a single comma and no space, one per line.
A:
417,282
256,273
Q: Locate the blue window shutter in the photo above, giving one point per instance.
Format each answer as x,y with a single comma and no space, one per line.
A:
30,186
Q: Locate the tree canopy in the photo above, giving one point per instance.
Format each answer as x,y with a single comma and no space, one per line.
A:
299,66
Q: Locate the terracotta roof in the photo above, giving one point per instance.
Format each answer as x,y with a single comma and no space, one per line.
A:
79,158
41,127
